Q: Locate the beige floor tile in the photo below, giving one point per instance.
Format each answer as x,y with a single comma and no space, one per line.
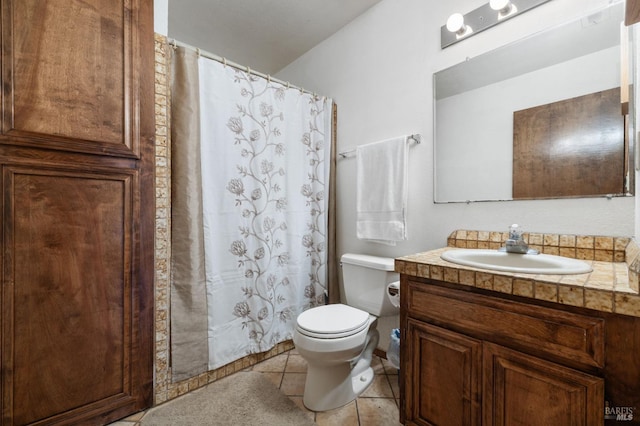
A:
395,386
273,365
378,412
296,364
380,388
378,405
293,384
388,368
275,378
343,416
298,401
135,417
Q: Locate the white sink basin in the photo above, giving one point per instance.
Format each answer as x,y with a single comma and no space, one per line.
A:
519,263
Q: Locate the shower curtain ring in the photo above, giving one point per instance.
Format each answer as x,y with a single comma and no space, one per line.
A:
248,70
269,78
198,51
287,84
224,61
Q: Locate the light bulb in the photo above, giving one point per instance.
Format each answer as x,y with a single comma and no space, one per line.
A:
504,7
500,5
455,23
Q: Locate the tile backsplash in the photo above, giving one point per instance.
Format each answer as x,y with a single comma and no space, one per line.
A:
584,247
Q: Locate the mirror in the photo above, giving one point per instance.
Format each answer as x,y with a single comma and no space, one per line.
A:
475,103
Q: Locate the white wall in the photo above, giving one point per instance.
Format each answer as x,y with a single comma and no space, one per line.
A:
379,71
161,16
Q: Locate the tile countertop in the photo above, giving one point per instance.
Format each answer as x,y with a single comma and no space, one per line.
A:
607,288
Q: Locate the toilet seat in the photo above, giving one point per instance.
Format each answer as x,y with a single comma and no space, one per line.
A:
332,321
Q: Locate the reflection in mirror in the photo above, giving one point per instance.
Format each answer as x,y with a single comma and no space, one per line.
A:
475,103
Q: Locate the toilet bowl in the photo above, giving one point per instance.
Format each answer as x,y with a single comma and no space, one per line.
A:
338,340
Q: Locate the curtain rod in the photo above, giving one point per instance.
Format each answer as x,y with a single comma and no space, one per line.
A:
415,137
174,43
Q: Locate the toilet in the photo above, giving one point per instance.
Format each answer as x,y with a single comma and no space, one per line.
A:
338,340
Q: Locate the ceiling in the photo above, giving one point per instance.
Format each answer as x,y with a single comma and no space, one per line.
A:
264,35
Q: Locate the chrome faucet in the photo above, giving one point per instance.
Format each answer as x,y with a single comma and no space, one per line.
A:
516,243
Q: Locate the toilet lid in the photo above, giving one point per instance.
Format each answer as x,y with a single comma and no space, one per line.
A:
333,321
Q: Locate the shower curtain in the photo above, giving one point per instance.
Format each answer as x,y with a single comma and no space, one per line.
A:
265,154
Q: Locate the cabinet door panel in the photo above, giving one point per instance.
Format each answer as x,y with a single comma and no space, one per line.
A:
523,390
445,376
68,75
67,297
546,332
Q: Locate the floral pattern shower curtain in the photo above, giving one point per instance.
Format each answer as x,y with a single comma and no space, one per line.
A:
265,153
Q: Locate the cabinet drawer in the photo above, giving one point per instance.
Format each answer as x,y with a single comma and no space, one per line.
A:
544,331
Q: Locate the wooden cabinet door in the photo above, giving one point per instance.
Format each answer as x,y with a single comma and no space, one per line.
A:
444,379
76,172
522,390
71,74
632,12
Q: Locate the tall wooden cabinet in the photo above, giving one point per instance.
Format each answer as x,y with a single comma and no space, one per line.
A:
76,160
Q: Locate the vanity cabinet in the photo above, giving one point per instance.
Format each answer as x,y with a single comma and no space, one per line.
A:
469,357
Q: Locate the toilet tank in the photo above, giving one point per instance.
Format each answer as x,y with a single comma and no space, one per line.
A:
365,280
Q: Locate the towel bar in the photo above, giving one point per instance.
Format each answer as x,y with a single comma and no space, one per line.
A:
415,137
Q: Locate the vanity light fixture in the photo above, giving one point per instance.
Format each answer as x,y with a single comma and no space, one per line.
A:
461,26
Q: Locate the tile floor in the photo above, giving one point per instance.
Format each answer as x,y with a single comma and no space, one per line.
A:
377,406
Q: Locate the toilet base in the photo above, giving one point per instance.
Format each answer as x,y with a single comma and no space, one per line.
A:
329,388
327,394
361,382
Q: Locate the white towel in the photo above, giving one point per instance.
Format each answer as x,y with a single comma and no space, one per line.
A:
381,187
